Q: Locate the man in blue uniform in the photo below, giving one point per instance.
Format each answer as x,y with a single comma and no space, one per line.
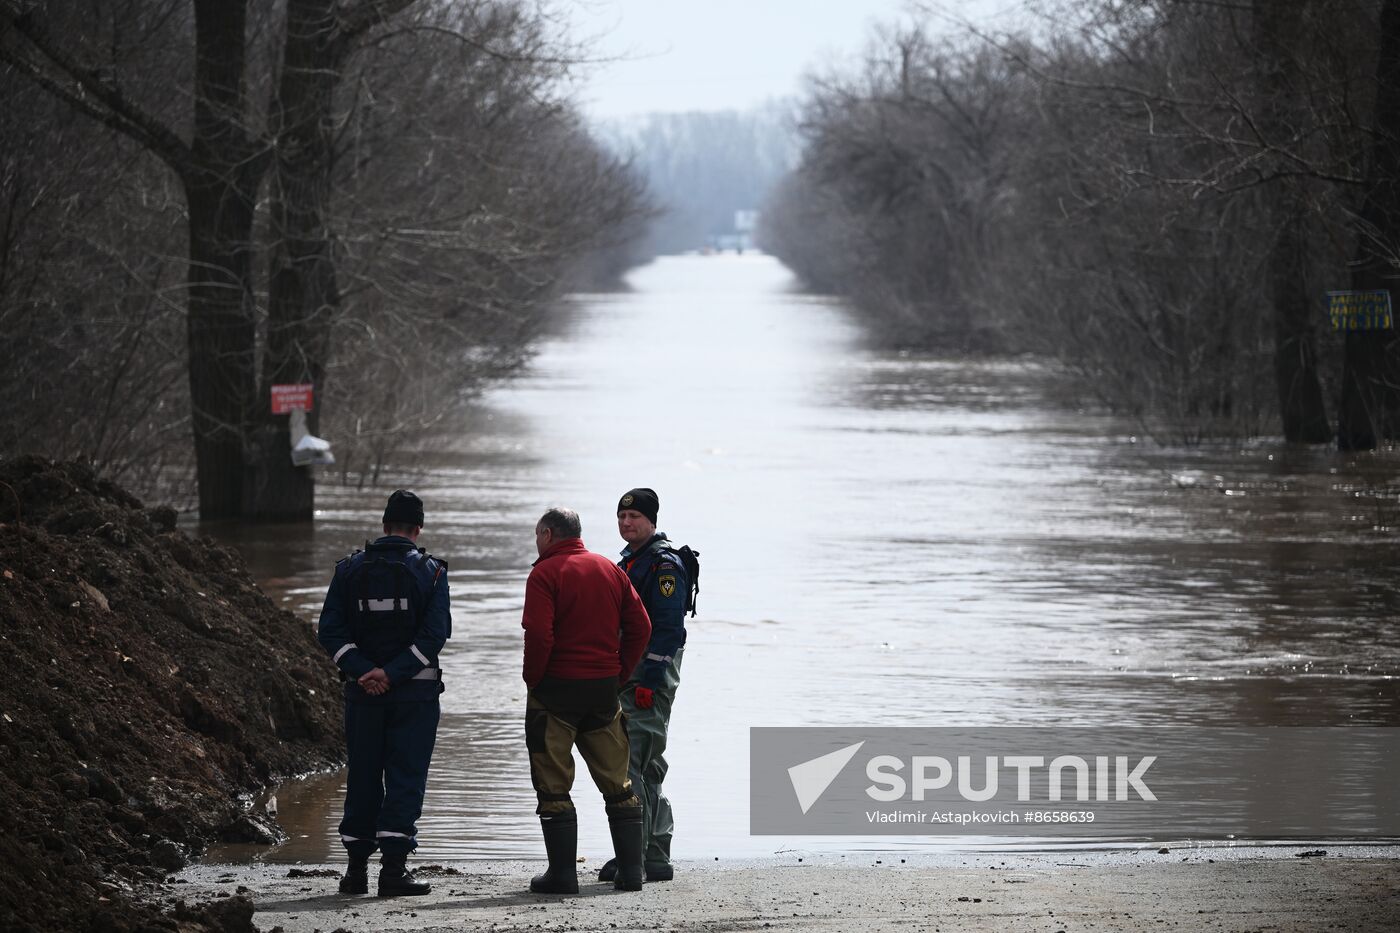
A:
660,579
385,619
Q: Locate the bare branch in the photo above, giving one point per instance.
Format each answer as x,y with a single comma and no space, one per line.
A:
365,15
121,113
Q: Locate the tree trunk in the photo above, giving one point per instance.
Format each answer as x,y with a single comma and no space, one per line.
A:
302,293
1301,403
303,296
1278,28
1370,407
220,188
220,330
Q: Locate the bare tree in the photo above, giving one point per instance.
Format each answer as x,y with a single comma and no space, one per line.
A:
459,223
1155,192
418,163
303,294
909,159
1279,30
91,234
1370,407
220,168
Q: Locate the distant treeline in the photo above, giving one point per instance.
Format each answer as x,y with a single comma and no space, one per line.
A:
1158,193
702,167
201,199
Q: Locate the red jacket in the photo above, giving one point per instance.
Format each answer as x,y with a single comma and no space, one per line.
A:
583,620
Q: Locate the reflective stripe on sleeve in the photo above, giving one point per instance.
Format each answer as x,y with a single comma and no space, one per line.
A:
658,657
343,648
419,655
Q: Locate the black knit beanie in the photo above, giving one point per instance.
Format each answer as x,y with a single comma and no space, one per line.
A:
642,500
404,508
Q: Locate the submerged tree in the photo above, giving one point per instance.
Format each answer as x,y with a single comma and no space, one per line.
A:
262,180
220,167
1155,192
1370,408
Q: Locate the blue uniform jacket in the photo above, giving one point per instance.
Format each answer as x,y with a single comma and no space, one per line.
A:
384,632
660,580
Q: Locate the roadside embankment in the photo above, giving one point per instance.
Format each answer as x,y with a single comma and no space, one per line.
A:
1354,889
149,688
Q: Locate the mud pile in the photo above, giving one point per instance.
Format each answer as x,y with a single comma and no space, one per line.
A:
147,687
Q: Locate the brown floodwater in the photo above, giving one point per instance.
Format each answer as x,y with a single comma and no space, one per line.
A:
886,539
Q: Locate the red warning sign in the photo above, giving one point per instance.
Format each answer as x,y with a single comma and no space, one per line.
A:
291,397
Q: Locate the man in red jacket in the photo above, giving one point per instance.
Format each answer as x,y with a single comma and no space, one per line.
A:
585,631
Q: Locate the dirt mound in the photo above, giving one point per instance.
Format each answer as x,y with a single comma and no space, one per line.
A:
149,687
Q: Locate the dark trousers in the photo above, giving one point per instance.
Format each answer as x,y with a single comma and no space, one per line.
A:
389,746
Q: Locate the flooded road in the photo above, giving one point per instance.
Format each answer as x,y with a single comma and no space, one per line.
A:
886,540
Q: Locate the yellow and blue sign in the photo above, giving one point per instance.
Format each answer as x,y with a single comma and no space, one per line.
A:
1360,310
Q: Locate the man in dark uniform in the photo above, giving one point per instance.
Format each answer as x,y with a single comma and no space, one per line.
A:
661,581
385,619
585,629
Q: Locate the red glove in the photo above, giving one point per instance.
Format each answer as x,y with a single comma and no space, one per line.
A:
645,698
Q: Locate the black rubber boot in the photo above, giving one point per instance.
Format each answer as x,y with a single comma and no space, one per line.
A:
356,880
609,870
395,880
627,844
561,845
659,871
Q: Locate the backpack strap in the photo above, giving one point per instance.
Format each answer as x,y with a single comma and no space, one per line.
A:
688,559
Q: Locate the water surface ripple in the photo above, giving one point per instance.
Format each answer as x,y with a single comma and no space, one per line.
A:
887,540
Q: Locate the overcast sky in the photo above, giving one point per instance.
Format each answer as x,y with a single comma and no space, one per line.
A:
720,54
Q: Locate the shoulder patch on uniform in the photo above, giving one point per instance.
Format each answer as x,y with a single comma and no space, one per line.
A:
667,583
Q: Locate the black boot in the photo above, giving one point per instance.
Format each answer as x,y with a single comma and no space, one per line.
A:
626,828
660,871
395,880
561,845
609,870
356,880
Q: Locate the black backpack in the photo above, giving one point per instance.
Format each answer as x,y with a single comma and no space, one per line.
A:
690,561
382,579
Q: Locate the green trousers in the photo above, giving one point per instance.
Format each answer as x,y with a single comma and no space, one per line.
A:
646,733
562,714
